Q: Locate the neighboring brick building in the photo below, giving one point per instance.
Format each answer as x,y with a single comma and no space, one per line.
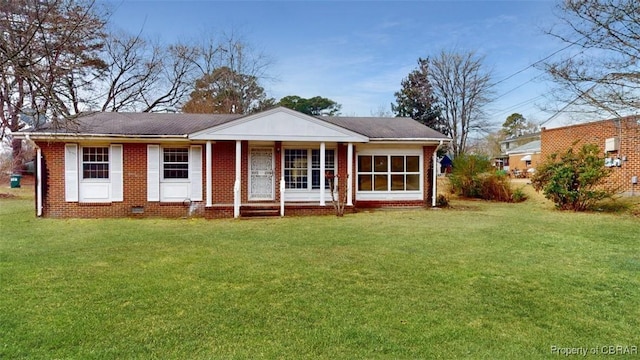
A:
619,140
519,154
278,161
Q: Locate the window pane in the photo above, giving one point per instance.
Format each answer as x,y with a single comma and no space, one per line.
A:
176,155
364,163
295,178
329,166
95,163
95,171
175,163
295,158
364,182
380,163
413,182
397,182
380,183
413,163
397,164
295,171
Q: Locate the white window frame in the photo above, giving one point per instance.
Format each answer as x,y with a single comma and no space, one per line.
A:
389,194
170,189
163,163
308,193
83,163
310,168
93,190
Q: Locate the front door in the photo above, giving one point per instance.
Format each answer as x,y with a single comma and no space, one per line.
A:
261,182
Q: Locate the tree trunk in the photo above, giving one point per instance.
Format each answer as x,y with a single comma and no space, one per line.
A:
16,165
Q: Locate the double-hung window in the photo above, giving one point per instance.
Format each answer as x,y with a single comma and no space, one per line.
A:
329,167
174,173
388,173
302,168
95,162
175,163
93,174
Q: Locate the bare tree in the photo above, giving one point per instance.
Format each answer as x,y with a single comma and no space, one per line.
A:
231,76
603,75
462,87
44,47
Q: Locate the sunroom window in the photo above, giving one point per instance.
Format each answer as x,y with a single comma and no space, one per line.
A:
388,173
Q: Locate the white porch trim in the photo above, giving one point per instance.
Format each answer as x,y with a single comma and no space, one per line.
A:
208,167
237,192
350,174
322,170
38,181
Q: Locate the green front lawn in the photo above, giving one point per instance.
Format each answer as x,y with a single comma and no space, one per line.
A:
482,280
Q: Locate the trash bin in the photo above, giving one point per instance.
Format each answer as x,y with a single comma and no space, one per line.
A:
15,180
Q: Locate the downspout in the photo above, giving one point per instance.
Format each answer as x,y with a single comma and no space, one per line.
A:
38,178
435,174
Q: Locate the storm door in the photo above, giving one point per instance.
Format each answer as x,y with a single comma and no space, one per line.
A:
261,181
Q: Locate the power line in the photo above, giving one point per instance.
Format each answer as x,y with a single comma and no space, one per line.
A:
534,64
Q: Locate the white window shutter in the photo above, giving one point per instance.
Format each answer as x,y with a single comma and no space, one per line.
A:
195,172
153,172
71,172
116,173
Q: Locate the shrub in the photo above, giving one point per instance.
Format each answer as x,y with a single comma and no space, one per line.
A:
473,176
442,201
573,181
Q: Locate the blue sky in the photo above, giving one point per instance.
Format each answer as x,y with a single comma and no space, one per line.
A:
358,52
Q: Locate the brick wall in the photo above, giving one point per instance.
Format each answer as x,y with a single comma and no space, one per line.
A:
516,163
626,130
223,171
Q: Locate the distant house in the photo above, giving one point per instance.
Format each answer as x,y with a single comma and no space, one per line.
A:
519,154
277,161
619,140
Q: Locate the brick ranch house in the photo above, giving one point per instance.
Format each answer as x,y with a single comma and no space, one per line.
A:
619,140
216,166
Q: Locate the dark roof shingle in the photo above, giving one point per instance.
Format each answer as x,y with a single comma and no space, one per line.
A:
178,124
385,127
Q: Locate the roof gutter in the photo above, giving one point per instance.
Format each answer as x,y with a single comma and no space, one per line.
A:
50,136
440,140
435,175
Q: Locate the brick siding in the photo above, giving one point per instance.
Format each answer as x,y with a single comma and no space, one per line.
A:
626,130
223,178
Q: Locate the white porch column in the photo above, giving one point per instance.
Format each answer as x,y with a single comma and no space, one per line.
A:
38,181
238,183
434,189
322,174
208,168
350,174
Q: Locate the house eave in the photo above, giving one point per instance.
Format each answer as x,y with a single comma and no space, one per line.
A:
429,141
97,137
273,137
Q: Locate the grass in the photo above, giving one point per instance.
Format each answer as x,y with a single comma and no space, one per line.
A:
479,280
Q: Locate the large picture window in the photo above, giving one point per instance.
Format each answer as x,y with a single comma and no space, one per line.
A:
388,173
95,162
302,168
175,163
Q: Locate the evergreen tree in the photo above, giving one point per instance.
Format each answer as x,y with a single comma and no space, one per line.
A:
416,99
